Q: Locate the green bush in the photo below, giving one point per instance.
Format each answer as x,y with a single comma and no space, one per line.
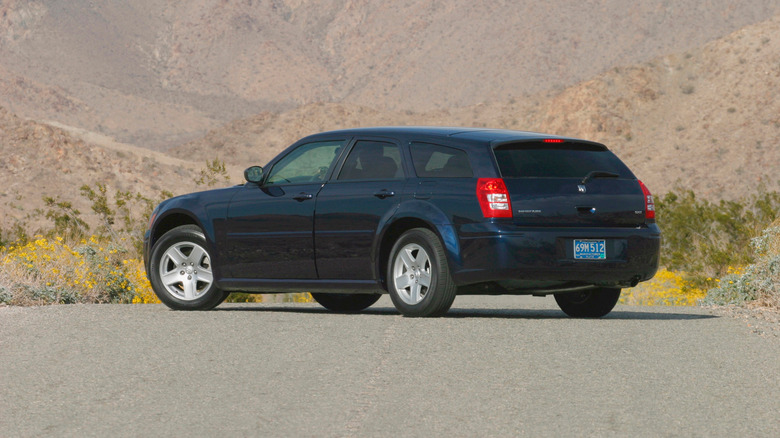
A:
760,283
214,173
705,239
5,295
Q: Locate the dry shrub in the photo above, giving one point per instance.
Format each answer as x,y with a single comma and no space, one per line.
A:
759,284
52,271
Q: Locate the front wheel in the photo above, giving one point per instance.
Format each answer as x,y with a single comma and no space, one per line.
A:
345,302
181,273
418,276
590,303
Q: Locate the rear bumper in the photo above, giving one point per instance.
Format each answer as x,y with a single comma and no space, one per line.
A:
538,258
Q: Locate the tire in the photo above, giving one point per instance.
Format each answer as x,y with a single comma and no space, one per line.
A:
591,303
418,276
345,303
181,273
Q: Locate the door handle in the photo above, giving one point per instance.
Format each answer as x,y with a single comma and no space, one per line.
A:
384,193
303,196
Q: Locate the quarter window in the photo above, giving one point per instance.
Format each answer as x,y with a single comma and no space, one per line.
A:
372,160
307,163
435,161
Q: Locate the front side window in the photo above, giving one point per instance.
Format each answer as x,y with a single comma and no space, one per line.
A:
372,160
309,162
435,161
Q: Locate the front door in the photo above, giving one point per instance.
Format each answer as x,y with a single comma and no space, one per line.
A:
271,226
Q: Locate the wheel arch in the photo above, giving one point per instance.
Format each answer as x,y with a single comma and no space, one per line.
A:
176,218
171,221
405,220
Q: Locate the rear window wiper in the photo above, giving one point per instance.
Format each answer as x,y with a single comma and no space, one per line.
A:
599,174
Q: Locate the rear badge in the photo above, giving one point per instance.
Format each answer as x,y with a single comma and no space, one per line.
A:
582,188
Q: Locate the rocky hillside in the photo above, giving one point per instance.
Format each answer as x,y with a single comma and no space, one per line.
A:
157,73
82,84
706,119
43,160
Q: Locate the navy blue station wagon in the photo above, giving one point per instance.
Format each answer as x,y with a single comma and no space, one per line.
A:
423,214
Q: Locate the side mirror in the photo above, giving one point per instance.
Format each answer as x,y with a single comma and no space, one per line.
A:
254,174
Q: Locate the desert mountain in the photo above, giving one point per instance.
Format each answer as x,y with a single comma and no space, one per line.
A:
706,119
157,73
82,84
44,160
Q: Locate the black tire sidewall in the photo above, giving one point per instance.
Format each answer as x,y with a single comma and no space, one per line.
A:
600,302
186,233
345,303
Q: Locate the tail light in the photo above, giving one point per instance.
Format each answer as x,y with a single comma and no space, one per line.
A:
493,197
649,202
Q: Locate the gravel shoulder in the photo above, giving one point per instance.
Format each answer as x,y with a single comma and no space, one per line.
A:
762,321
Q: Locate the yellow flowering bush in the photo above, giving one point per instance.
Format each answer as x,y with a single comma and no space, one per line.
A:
52,271
240,297
304,297
137,276
667,288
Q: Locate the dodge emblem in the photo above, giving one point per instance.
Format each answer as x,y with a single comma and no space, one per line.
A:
581,188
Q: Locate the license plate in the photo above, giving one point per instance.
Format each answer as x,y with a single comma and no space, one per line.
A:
590,249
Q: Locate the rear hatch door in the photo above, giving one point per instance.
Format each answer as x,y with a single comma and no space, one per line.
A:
569,183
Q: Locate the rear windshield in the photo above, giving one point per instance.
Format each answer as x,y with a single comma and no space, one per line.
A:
566,160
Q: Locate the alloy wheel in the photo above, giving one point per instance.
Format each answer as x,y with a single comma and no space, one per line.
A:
185,271
412,273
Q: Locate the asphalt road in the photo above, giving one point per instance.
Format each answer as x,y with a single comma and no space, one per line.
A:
494,366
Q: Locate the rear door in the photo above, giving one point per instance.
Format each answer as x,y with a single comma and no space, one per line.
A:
350,207
569,183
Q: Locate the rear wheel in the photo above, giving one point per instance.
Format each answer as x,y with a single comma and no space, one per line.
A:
345,302
591,303
181,273
418,277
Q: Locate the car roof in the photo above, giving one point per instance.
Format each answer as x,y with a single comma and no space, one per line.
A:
482,135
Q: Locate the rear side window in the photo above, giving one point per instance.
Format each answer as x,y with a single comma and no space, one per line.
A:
435,161
567,160
372,160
